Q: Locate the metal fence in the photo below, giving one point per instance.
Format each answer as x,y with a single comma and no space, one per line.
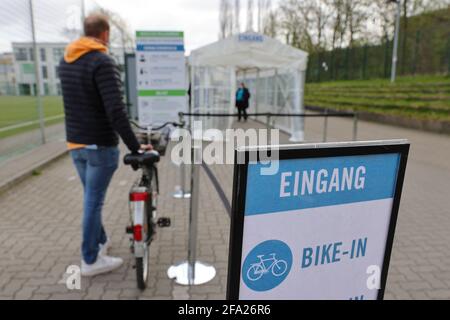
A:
424,48
33,37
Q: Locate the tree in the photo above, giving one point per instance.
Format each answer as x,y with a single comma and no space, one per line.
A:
264,10
225,19
337,22
250,14
356,14
120,33
295,29
383,19
270,24
317,14
237,16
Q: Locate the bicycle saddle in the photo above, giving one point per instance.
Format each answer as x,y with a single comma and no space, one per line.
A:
137,160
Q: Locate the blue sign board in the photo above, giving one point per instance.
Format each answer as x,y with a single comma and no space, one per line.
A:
321,227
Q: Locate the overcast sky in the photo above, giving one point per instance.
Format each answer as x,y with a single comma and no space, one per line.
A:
199,19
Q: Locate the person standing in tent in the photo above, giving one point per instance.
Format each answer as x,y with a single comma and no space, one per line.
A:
242,101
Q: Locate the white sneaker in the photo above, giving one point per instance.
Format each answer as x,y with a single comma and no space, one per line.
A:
104,248
104,264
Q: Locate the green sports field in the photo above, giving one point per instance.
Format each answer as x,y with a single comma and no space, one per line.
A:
15,111
424,97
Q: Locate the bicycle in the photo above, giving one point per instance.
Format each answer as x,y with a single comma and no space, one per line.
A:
143,199
258,270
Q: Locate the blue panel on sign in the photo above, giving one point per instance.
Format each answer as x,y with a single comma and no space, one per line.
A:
320,182
162,47
251,38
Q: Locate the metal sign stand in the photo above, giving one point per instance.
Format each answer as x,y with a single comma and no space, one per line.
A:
192,272
180,190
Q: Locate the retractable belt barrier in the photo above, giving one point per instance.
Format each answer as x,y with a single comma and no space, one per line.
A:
193,272
325,115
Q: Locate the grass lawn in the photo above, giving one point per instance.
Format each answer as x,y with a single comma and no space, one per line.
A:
15,110
423,97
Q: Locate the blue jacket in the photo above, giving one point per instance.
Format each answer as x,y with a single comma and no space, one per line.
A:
244,103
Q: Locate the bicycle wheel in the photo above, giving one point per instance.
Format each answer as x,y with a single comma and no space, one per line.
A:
255,272
151,209
142,270
142,263
151,228
279,268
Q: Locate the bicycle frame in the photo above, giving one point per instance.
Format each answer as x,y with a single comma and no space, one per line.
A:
143,199
263,261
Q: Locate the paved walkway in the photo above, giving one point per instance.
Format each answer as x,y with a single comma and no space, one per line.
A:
41,217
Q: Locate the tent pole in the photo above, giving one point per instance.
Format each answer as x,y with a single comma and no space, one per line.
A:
276,94
298,124
256,91
266,94
192,105
302,101
232,93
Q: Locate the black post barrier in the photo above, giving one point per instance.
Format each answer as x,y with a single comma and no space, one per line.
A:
275,115
325,126
326,114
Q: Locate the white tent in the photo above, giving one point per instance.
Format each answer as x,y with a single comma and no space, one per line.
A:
273,71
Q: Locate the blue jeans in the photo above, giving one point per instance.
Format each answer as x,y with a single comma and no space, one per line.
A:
96,169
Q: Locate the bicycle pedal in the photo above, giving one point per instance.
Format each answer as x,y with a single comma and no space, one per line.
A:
164,222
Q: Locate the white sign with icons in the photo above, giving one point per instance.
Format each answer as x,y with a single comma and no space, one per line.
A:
322,227
161,76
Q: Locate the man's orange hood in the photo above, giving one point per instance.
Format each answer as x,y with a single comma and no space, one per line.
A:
82,46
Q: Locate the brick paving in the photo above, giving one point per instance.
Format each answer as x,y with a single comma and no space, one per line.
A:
41,218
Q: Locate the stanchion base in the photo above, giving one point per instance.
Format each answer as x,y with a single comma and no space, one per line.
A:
203,274
181,195
297,137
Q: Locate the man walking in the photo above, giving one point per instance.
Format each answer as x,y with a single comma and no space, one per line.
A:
242,102
95,114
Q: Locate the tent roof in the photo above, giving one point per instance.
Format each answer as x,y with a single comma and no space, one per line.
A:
249,50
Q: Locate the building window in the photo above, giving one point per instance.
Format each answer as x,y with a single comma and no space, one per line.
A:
31,54
28,68
46,89
58,53
24,89
21,54
43,54
58,88
57,72
44,72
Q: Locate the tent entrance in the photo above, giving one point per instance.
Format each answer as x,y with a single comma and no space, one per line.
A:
273,72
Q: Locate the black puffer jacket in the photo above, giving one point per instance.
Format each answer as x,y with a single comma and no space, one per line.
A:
93,102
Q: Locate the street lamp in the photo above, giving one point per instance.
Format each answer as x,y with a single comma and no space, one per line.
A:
396,38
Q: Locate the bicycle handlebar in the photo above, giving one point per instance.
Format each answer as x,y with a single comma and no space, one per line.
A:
175,124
